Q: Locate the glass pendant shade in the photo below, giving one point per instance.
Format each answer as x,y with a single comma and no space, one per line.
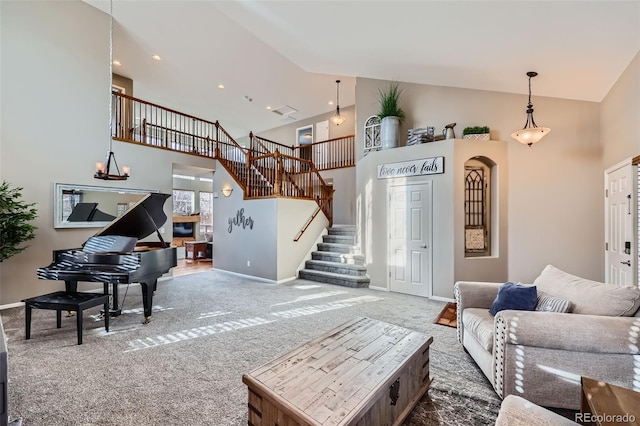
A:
337,119
531,133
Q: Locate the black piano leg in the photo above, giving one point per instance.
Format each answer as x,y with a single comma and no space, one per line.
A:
147,299
114,310
70,286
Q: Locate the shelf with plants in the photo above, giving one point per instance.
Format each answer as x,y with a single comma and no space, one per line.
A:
479,133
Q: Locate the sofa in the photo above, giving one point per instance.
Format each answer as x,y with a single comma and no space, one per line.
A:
540,355
517,411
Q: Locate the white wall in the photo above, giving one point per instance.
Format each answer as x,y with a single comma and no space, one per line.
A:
619,113
554,190
54,120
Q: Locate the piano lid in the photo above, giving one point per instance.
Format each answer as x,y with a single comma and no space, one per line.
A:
140,220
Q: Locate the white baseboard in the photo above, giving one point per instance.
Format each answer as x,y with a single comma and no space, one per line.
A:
11,305
286,280
246,276
442,299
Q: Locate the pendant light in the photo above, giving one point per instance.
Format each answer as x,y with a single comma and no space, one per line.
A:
337,119
531,133
104,170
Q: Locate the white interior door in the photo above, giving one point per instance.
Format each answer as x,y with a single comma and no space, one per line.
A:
410,241
619,241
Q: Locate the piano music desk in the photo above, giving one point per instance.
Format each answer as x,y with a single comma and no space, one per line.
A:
66,301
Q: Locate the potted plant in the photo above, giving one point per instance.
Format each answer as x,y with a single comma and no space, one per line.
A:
479,133
390,115
15,216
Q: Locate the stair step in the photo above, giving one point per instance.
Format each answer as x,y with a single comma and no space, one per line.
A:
336,267
340,239
348,258
331,278
342,230
338,248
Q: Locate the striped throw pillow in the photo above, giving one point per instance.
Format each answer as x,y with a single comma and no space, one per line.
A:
547,303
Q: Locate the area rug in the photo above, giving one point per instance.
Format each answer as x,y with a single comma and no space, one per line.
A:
207,329
448,316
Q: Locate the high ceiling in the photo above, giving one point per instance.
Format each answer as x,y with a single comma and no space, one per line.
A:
279,53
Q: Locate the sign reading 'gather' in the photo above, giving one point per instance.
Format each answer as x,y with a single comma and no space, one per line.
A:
240,221
425,166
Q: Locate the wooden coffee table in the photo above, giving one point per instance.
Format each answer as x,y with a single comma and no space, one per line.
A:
606,404
364,372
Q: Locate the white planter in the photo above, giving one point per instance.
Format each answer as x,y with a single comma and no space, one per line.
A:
389,132
477,137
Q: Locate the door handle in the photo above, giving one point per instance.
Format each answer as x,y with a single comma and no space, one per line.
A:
628,263
423,246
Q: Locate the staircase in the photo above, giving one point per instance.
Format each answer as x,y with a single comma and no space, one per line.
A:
338,260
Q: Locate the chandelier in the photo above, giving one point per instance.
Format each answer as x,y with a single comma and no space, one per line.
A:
531,133
337,119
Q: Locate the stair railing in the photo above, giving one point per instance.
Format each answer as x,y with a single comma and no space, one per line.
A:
265,169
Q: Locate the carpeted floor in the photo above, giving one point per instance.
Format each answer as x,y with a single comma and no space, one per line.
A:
208,328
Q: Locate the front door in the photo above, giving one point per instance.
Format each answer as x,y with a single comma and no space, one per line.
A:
619,241
410,242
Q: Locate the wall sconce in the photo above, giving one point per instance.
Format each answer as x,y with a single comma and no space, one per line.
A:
226,191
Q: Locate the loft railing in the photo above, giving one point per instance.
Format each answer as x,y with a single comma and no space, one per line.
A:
288,176
325,155
261,171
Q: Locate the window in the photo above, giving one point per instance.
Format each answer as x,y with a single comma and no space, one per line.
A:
372,135
477,208
206,212
183,202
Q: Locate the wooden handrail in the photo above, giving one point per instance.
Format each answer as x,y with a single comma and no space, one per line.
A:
266,174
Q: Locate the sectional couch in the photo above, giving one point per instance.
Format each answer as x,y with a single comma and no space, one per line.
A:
540,356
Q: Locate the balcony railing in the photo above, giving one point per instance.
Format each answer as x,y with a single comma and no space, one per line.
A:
265,169
325,155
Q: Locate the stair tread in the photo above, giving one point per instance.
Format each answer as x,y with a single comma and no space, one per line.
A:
338,264
359,278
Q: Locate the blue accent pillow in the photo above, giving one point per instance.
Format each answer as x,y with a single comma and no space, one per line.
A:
515,296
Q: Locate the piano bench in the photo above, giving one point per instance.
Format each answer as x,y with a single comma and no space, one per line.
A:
66,301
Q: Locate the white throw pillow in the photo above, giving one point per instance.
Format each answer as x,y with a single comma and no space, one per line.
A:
547,303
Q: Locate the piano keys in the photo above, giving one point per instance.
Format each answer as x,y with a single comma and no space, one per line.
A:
114,255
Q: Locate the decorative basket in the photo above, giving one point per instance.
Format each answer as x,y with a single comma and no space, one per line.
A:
477,137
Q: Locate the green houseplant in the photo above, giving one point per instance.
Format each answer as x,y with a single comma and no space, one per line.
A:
480,133
390,115
15,216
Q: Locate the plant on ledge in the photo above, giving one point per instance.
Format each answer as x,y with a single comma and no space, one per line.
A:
15,216
479,133
389,99
477,130
391,115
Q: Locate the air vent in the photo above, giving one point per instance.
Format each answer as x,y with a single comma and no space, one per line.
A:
284,110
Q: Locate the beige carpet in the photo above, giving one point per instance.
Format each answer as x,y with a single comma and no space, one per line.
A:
185,367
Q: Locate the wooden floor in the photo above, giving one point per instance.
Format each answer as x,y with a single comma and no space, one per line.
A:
190,266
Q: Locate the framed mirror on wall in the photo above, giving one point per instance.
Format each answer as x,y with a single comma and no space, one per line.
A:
86,206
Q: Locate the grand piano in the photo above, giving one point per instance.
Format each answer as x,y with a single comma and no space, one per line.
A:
114,255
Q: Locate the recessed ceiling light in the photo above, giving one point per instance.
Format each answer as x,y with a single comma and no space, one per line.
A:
220,86
117,63
268,106
156,58
330,102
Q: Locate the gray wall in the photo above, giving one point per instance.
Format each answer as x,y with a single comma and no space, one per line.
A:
267,250
554,209
287,134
